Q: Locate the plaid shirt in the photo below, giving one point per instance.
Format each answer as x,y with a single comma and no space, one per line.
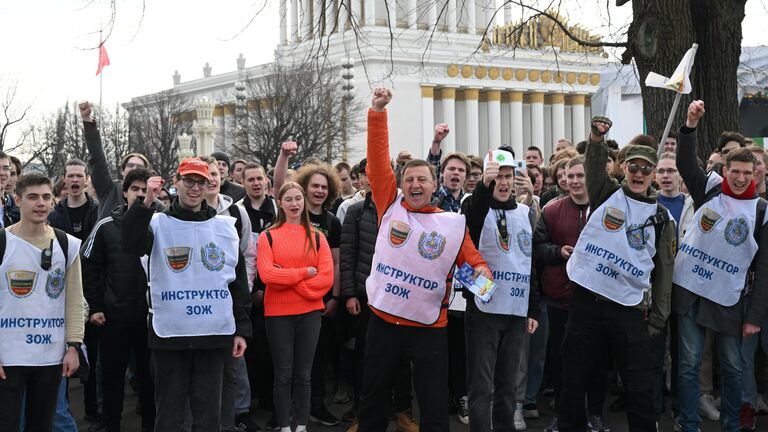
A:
447,201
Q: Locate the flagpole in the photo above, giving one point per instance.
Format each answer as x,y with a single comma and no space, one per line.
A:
101,75
669,122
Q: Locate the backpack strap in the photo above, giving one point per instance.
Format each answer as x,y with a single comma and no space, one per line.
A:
317,241
269,237
3,240
61,237
234,211
660,220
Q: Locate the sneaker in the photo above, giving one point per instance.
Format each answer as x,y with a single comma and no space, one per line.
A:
405,422
463,407
323,416
707,407
552,426
761,407
530,410
747,417
343,394
272,424
519,419
596,423
549,391
246,424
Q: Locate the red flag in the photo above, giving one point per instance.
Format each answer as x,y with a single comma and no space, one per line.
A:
103,59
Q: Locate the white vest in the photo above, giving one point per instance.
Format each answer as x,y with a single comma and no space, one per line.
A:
32,303
413,256
190,268
510,262
613,257
714,256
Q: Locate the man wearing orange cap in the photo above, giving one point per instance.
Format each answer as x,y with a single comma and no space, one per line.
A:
199,299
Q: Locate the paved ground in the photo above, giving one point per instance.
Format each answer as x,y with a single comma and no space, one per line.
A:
617,422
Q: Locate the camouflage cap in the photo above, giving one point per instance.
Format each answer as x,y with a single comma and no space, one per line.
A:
645,153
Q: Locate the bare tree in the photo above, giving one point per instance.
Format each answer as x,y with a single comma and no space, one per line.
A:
304,103
114,136
12,110
155,122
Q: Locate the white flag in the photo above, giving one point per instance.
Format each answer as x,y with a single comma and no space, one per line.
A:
679,81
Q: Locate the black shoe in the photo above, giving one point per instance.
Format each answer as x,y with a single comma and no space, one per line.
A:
272,424
618,405
350,415
323,416
246,424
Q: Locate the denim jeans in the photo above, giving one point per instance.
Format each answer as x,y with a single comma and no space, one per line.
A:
691,346
748,348
63,420
532,361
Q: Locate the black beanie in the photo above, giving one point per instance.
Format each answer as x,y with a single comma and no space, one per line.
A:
221,156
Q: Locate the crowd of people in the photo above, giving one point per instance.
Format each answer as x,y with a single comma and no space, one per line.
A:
230,287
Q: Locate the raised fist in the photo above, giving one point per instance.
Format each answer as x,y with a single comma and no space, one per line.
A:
154,184
381,97
289,148
695,113
403,157
85,111
600,126
441,131
491,170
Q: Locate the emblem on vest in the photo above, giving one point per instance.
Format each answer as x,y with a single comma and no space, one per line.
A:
502,242
613,219
637,235
431,245
398,233
736,231
21,283
55,283
708,220
212,257
525,242
177,258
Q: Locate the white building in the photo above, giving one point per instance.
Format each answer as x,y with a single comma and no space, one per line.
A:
529,92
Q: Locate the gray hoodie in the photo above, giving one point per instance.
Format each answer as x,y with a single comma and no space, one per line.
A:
247,247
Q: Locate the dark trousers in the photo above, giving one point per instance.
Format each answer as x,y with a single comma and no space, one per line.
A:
401,386
596,386
658,351
293,339
494,348
188,375
591,324
117,342
457,360
42,387
427,349
324,353
258,359
90,392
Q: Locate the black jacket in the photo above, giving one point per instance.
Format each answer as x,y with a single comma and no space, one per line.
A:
358,240
137,238
476,208
59,217
11,212
114,281
233,190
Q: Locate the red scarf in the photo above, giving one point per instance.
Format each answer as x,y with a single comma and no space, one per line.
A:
747,194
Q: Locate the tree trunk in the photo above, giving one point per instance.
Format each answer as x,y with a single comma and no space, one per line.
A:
660,33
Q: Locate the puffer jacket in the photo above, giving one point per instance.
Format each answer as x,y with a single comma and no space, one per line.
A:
358,241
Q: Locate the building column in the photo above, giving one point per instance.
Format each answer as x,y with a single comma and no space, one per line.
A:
485,15
507,13
412,15
537,119
317,18
452,17
577,118
427,117
330,18
295,20
432,16
448,97
306,19
283,22
471,96
343,17
392,8
516,120
370,13
494,119
557,101
471,16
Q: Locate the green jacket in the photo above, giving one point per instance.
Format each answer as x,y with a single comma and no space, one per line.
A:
600,186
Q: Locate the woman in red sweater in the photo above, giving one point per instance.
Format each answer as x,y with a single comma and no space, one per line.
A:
295,263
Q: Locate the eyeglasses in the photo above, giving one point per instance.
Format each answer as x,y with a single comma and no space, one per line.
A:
663,171
131,165
476,176
645,169
190,183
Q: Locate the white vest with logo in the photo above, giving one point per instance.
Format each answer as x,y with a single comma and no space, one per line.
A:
613,256
510,262
714,256
190,268
413,256
32,303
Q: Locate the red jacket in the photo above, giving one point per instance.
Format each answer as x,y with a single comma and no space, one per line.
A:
560,224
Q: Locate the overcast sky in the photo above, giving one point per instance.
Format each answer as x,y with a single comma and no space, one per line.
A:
47,45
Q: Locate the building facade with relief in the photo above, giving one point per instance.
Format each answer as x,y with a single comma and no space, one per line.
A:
524,83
